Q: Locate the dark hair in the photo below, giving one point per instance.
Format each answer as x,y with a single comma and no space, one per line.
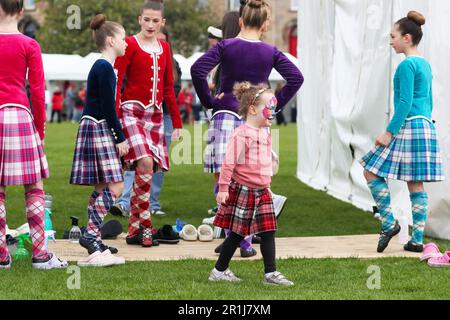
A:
165,32
247,93
255,13
230,25
241,8
103,29
412,25
156,5
11,7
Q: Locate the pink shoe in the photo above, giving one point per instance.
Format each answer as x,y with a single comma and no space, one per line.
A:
430,250
441,262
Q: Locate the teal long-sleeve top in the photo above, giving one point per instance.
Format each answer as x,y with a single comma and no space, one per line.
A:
413,94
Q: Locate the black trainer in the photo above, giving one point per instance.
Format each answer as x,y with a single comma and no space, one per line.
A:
385,237
104,247
413,247
90,247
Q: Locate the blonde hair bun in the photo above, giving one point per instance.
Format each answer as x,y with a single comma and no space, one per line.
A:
417,17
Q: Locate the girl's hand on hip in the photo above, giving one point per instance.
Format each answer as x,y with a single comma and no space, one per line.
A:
222,198
384,139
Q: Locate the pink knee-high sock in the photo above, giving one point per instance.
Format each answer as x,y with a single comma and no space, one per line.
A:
35,203
140,203
3,249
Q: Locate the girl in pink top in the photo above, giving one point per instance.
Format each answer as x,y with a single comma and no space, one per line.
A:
246,201
22,158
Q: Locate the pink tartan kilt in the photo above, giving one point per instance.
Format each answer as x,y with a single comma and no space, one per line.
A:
144,130
247,211
22,157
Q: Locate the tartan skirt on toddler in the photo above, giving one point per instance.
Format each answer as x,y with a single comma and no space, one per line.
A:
412,156
247,211
22,157
219,133
95,160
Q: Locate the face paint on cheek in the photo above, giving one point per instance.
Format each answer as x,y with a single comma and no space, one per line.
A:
269,109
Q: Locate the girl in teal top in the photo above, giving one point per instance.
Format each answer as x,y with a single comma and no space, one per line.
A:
408,150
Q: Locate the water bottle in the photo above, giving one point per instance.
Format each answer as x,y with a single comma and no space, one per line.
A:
75,231
403,236
49,235
48,201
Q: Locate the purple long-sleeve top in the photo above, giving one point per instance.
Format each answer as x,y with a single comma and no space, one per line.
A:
243,60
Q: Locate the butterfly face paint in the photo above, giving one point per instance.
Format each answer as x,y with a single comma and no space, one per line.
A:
269,109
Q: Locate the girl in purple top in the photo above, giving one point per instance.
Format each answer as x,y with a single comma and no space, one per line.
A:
244,58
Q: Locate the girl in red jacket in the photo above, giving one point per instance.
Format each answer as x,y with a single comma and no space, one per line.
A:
22,158
147,65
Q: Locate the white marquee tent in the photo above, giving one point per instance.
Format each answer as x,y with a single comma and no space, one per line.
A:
347,97
59,67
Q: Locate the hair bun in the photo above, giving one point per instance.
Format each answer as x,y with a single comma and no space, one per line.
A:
417,17
97,21
255,3
241,88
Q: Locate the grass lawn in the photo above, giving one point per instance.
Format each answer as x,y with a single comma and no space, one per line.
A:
188,195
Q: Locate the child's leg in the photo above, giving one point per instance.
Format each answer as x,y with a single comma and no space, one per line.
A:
382,196
140,197
35,203
268,251
4,255
419,204
229,247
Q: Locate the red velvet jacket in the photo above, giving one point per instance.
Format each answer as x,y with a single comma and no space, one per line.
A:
149,79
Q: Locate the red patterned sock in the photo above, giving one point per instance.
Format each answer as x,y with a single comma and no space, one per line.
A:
140,203
3,249
35,202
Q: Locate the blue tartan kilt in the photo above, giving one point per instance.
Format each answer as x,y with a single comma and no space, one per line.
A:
412,156
96,160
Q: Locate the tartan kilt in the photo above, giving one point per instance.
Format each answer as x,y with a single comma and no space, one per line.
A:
22,157
144,130
247,211
412,156
219,133
95,159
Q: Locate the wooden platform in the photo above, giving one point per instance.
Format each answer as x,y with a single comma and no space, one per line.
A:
363,246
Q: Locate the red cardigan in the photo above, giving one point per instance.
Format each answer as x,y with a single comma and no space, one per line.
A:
149,79
20,54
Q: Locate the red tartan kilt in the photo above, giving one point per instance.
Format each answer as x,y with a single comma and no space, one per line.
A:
22,157
144,131
247,211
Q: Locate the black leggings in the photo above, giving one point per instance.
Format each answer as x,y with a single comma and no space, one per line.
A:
232,242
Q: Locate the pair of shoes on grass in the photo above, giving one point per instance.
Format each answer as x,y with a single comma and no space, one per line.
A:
167,235
274,278
435,258
204,233
102,259
244,253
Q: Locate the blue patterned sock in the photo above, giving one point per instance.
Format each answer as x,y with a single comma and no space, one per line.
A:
419,204
382,196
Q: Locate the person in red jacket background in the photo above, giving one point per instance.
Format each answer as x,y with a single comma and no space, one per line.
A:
57,104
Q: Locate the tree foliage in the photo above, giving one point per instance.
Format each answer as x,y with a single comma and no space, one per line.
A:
186,22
